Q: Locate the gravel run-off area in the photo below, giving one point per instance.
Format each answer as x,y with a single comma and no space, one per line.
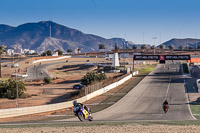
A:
107,129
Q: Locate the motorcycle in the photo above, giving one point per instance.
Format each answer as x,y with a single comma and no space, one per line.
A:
83,114
165,108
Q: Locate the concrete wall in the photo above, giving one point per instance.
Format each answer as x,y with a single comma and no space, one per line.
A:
13,112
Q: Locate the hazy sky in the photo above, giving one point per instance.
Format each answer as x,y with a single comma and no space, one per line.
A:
135,20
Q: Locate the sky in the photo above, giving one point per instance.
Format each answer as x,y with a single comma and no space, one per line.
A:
139,21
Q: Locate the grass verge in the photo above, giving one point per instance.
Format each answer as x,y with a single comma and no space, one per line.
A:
195,108
145,69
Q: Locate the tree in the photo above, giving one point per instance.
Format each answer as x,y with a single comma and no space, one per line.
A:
8,88
153,47
101,46
134,46
47,80
43,54
59,52
116,48
48,53
79,50
162,46
171,47
181,47
92,77
127,47
144,46
69,51
198,47
190,47
2,50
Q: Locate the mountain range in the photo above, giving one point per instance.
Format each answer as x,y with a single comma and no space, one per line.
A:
48,35
187,42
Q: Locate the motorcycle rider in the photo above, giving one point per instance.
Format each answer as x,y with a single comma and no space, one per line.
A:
77,107
165,103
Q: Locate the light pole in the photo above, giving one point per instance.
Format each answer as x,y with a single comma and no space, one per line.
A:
143,37
196,41
154,38
17,101
160,37
124,53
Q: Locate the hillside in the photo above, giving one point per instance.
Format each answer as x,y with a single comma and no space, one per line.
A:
36,36
185,42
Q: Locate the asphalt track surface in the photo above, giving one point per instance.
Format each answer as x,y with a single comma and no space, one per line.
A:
144,101
39,71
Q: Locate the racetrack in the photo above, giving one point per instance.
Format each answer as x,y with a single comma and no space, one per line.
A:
39,71
144,102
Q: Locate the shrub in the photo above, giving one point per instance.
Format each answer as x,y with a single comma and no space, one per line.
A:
8,88
92,77
43,54
59,52
101,76
48,53
47,80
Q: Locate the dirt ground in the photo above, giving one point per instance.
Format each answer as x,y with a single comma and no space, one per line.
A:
194,97
107,129
65,76
45,94
40,95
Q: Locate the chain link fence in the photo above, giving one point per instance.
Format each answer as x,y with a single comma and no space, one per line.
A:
92,88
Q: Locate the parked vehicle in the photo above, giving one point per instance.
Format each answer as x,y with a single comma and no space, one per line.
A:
78,86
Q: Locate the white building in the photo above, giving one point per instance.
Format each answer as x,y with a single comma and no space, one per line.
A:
55,54
28,51
77,51
18,51
32,51
10,52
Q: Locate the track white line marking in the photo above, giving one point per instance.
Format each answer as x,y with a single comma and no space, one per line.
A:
168,87
187,95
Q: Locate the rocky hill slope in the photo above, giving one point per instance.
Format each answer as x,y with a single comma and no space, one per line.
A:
48,35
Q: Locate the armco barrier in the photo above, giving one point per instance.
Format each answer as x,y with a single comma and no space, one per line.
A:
41,60
13,112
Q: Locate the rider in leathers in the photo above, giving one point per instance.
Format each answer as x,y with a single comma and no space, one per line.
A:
77,107
165,103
